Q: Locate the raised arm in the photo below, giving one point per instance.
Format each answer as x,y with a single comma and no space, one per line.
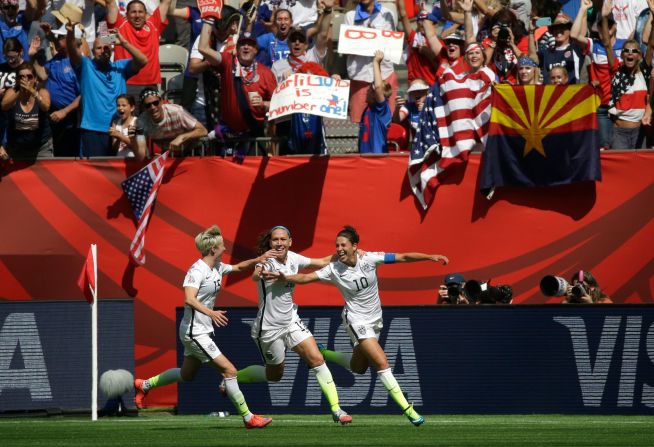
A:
415,257
71,45
34,9
466,5
433,40
650,41
324,20
406,23
112,12
448,14
378,80
579,29
246,265
204,46
164,7
138,58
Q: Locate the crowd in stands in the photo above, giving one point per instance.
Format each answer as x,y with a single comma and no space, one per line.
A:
82,78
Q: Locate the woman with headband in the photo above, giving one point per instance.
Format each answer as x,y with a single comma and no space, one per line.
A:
278,326
356,279
528,72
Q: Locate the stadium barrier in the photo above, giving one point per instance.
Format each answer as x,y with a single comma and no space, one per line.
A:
45,352
461,359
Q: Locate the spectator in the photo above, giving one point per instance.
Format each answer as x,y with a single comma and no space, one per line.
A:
168,126
371,14
13,51
625,13
558,75
502,50
17,24
421,60
376,118
245,85
630,105
589,292
307,134
600,72
26,105
566,53
451,291
206,106
274,46
449,52
101,82
143,32
120,128
408,113
64,90
528,72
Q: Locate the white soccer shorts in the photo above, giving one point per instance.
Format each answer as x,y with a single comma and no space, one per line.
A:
202,347
274,342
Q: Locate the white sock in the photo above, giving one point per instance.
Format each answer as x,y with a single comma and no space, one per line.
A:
236,396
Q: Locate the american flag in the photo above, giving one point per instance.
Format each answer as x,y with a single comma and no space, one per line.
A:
454,119
141,191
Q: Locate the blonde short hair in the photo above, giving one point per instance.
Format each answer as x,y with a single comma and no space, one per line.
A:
209,238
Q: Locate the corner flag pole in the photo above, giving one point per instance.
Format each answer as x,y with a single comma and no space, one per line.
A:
94,337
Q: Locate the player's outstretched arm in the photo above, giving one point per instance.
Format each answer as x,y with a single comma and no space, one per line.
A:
415,257
300,278
247,265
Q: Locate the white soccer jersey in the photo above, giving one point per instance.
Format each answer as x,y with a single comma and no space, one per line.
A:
208,281
276,307
358,285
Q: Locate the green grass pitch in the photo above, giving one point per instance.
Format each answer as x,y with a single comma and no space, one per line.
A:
157,429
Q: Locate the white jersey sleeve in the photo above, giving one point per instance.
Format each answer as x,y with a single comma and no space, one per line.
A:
193,277
325,273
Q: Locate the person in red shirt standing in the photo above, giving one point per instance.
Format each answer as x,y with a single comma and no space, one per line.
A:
420,61
143,32
246,87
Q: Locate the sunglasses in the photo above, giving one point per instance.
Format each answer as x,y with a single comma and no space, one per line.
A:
631,50
26,76
148,105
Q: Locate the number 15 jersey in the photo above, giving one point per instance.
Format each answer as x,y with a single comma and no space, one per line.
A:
358,285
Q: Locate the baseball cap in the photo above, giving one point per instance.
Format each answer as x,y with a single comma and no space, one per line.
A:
417,85
453,278
61,31
297,33
247,38
456,35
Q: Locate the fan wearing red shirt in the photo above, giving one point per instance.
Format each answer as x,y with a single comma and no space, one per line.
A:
143,32
246,87
421,60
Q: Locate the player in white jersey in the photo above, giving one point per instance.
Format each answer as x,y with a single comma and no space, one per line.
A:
356,279
202,284
278,326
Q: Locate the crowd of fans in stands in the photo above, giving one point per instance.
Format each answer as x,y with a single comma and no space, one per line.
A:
82,78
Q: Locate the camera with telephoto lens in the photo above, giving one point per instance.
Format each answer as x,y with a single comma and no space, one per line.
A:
577,291
484,293
453,292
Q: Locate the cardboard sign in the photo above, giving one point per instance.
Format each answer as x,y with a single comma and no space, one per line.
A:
315,95
364,41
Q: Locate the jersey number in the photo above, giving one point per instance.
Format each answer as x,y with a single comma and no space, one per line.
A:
361,284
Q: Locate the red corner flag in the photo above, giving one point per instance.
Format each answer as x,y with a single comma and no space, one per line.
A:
87,276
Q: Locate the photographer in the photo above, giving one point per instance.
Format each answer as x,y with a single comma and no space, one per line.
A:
451,291
584,289
506,44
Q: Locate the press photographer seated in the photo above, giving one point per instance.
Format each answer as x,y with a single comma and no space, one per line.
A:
584,289
451,291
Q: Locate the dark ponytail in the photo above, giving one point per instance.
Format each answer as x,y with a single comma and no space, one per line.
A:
349,233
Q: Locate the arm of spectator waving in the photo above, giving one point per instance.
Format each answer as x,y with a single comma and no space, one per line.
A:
323,26
204,46
483,7
406,23
650,40
63,113
180,13
198,132
415,257
71,45
606,40
164,7
378,80
112,12
466,5
138,58
579,27
533,49
448,14
430,34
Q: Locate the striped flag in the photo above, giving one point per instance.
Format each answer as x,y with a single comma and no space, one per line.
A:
141,190
454,119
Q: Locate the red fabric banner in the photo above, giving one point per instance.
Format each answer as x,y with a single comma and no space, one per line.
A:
52,211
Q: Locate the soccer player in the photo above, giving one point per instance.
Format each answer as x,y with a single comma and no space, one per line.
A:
356,279
278,326
201,286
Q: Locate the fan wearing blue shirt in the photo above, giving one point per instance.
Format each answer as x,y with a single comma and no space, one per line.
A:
377,116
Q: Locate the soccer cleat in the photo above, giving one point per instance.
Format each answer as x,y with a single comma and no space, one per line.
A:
140,393
341,417
257,421
413,416
222,389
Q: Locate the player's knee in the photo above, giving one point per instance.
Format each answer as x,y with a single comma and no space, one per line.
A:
315,360
274,374
228,373
359,369
187,376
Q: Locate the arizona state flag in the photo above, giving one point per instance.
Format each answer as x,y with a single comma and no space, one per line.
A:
541,135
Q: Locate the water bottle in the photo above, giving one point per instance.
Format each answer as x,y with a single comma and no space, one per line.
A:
220,414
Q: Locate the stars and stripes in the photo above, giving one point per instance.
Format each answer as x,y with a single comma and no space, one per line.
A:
454,119
141,191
